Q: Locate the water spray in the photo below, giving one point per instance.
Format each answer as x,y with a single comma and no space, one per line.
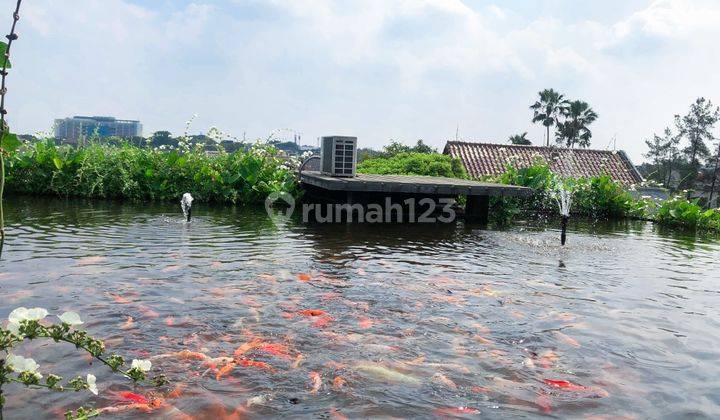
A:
186,205
564,200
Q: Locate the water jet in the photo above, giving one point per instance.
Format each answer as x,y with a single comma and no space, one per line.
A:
186,206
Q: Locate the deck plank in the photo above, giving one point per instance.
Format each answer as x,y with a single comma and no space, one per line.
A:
411,184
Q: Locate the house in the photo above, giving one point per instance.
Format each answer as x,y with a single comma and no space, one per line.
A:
489,159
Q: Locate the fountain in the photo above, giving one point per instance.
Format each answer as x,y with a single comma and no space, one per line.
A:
563,197
186,205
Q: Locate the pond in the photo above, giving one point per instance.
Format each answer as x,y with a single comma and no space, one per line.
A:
356,321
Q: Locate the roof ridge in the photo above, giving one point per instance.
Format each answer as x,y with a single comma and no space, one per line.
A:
475,143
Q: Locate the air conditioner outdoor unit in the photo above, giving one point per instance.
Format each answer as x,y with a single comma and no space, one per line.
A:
338,155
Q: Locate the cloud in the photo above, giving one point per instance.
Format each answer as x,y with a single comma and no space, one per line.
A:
379,69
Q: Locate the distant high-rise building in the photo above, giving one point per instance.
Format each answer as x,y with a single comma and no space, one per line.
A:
72,130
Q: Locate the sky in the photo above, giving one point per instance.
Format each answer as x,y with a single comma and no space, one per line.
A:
375,69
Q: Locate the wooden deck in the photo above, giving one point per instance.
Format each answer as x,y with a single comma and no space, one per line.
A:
410,184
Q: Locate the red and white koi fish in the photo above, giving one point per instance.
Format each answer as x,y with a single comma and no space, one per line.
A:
456,411
566,385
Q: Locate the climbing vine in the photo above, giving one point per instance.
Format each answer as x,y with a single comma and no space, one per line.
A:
8,141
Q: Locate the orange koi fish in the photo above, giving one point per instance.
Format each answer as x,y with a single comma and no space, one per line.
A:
322,321
480,390
255,363
147,312
339,383
250,345
337,415
128,324
444,380
312,312
118,298
316,382
566,385
225,370
276,349
365,322
566,339
304,277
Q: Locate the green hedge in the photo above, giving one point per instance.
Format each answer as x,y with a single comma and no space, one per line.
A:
140,174
428,164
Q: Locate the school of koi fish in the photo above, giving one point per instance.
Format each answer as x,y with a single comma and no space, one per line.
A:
347,322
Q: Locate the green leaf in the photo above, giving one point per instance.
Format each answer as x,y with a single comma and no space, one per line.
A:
10,142
58,163
3,49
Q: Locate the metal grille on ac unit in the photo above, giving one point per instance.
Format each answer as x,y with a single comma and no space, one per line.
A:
338,155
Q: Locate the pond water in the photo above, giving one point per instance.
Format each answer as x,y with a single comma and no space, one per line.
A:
417,321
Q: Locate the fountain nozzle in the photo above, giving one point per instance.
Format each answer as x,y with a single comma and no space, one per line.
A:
563,228
186,205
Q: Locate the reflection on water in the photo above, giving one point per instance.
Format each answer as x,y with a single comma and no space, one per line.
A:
415,320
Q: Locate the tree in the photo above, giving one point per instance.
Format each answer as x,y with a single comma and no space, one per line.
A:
548,109
395,147
664,153
715,174
520,139
574,129
697,127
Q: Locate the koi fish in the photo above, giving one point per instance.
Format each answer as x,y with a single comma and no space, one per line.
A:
383,373
566,339
316,382
337,415
548,359
322,321
543,401
456,411
90,260
225,370
255,363
128,324
444,380
304,277
170,321
131,396
339,383
365,322
147,312
298,359
216,264
171,268
118,298
480,390
182,355
279,350
258,400
312,312
250,345
566,385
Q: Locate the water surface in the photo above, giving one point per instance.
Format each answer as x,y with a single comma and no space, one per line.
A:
418,319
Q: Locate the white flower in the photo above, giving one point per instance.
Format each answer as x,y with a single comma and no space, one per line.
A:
92,386
25,314
142,365
14,328
20,364
70,318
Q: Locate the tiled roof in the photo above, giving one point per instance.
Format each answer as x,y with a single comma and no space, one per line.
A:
482,159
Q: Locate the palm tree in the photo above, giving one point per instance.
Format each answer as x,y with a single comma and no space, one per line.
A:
574,130
520,139
548,109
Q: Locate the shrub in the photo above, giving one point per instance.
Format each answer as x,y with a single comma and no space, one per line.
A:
678,211
603,198
429,164
139,174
